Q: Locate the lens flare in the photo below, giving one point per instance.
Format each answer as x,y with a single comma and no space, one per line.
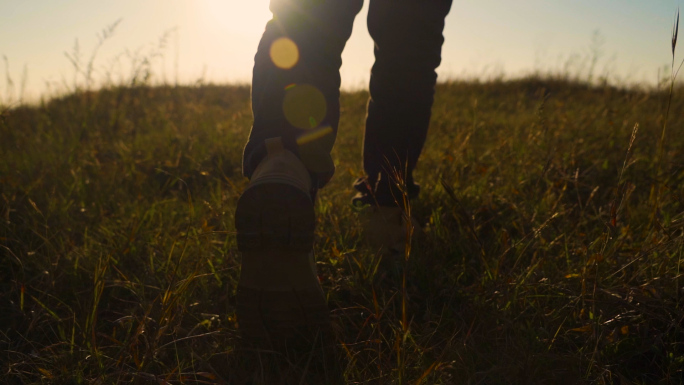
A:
313,135
284,53
304,106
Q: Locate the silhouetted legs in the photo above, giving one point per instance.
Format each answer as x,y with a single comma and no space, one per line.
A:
408,43
319,29
301,103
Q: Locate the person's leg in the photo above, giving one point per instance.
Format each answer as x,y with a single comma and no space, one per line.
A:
408,43
299,101
295,100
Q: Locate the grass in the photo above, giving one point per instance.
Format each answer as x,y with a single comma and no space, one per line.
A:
550,245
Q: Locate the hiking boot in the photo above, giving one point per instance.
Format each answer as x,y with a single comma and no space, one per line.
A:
279,298
385,232
384,229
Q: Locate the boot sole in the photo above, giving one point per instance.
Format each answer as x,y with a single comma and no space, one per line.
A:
279,299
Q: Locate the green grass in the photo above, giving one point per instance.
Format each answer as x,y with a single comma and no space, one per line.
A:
548,252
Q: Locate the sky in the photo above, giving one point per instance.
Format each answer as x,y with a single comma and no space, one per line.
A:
193,41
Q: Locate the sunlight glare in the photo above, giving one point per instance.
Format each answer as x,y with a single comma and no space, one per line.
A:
248,18
284,53
304,106
313,135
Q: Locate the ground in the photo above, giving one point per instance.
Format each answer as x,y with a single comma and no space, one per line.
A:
549,247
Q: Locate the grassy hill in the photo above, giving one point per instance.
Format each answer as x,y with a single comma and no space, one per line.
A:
551,245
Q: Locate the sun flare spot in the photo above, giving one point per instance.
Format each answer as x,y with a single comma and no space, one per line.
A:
284,53
304,106
314,135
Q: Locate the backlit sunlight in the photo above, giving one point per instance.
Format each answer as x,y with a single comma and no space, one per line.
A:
245,17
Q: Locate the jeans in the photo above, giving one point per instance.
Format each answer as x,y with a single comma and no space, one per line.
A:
300,102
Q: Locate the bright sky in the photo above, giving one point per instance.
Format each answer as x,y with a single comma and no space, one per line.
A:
215,40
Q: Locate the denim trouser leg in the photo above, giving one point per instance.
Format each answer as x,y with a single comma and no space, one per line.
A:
301,103
408,44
